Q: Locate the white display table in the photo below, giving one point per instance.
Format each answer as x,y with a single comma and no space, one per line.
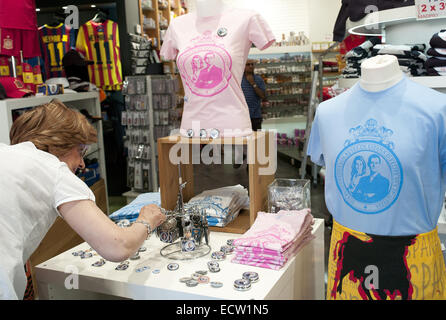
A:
301,278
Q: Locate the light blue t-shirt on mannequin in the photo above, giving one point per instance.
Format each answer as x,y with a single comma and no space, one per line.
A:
385,157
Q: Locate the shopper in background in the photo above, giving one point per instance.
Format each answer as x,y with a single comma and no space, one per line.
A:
253,88
39,183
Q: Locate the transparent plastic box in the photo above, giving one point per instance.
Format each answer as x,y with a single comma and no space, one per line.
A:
289,194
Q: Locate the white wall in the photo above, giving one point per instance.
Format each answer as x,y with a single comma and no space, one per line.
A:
322,17
283,16
315,17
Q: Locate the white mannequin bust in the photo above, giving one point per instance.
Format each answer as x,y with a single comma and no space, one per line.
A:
209,8
379,73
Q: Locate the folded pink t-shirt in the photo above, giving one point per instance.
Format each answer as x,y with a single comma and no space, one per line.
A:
211,53
276,231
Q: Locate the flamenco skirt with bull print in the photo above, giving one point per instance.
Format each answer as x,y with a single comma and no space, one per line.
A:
371,267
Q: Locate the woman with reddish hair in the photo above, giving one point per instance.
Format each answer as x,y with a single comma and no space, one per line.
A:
38,183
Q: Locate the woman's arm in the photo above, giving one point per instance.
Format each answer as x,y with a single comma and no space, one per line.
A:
103,235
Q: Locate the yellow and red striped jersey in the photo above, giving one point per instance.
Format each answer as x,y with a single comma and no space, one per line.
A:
99,42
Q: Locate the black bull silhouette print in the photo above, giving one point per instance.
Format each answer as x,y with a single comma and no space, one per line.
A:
387,253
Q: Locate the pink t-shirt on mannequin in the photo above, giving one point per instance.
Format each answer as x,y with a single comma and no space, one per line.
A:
211,53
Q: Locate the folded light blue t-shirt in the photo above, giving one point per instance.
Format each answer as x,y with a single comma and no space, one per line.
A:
385,157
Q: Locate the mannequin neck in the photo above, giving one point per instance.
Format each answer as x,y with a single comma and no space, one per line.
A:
209,8
380,73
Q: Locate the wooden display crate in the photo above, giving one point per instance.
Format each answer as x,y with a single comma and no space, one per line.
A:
261,172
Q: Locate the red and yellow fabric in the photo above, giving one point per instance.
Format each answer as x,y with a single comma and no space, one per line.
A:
4,67
99,42
370,267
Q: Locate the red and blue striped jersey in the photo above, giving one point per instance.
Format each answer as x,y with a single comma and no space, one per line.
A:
54,43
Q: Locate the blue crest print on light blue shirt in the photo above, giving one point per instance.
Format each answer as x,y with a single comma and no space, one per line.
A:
384,155
367,172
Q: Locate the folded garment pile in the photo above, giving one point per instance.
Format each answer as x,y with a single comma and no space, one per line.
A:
274,238
358,55
411,58
221,205
436,63
131,211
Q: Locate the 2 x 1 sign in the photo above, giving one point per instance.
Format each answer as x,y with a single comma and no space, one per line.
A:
430,9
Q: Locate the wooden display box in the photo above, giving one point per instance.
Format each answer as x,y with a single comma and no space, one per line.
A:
262,162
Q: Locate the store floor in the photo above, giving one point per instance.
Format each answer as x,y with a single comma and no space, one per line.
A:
215,176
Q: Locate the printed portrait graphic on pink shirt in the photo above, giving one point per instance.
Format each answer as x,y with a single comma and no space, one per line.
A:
206,69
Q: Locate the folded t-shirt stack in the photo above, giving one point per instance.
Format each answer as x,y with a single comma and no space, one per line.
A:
411,58
274,238
222,205
356,56
436,64
131,211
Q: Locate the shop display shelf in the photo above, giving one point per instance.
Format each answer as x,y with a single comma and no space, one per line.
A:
280,50
375,22
285,96
284,73
259,174
286,84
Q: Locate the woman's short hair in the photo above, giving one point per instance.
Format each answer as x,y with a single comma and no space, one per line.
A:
54,128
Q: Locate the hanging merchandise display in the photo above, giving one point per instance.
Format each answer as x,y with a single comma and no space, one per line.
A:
18,28
211,52
55,42
99,42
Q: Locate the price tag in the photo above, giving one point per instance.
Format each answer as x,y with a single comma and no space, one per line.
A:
430,9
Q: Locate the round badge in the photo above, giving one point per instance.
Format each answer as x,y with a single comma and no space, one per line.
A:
251,276
195,276
242,284
203,134
218,255
142,269
122,267
173,266
222,32
203,279
202,272
192,283
185,279
216,284
227,249
86,255
135,257
190,133
99,263
78,253
214,133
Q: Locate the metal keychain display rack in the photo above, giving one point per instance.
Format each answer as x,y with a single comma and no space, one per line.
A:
187,225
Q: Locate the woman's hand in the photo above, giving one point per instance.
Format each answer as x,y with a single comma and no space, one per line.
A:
152,214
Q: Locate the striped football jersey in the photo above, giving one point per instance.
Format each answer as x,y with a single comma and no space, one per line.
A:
99,42
54,43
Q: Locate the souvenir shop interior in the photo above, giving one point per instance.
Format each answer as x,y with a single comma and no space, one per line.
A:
266,131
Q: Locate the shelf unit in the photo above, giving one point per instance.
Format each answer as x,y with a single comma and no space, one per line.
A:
84,100
159,124
287,74
259,175
399,26
171,9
